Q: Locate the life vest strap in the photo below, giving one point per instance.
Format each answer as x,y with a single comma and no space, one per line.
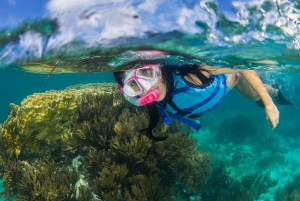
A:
163,114
180,118
186,121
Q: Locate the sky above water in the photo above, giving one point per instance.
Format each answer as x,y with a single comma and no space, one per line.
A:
13,12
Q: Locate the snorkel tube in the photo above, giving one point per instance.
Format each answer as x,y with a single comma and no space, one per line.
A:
149,97
144,100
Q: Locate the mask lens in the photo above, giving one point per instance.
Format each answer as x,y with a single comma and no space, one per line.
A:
147,73
132,88
134,85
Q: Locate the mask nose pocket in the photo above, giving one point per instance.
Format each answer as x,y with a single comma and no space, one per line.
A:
145,84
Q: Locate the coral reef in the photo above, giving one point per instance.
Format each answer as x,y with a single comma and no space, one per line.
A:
257,184
11,171
44,181
268,161
236,130
93,127
127,165
291,191
222,187
45,115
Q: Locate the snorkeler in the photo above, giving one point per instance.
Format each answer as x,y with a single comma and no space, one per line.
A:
188,91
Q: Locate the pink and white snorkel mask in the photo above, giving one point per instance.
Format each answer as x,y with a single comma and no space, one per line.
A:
137,83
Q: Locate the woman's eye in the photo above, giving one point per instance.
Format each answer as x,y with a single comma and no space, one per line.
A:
132,84
146,72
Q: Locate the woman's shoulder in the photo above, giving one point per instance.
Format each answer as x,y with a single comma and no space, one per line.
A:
217,70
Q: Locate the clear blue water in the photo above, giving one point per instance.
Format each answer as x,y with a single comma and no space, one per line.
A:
15,84
102,37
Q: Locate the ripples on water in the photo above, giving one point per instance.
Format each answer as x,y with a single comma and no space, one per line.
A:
89,37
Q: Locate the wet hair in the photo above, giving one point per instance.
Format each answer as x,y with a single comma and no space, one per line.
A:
167,75
119,77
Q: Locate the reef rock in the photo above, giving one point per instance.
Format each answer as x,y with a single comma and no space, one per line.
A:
48,115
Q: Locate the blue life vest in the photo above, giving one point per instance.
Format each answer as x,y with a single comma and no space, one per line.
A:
189,101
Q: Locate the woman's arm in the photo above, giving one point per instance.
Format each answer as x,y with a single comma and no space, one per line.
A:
218,70
272,113
255,82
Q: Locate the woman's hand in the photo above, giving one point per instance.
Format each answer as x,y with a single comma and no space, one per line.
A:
272,114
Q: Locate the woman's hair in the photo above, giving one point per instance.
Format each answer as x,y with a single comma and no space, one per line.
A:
167,75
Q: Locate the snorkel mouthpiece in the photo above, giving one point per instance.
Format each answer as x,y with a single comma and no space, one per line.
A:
149,98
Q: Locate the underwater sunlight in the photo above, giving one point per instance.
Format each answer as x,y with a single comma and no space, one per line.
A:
67,133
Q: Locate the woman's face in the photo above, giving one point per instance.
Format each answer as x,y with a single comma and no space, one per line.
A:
161,87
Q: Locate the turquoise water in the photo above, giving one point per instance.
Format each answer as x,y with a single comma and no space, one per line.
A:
17,84
93,39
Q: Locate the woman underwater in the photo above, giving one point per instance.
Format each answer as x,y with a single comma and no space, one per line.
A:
188,91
